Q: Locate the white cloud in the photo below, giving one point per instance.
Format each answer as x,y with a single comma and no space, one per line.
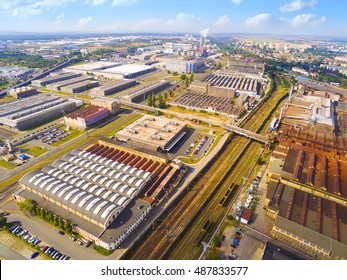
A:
222,21
124,2
307,20
98,2
24,8
60,16
258,20
298,5
116,27
83,22
236,2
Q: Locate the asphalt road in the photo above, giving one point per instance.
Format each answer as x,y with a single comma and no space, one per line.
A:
49,236
8,253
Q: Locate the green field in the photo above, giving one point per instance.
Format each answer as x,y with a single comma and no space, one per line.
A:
113,132
35,150
6,165
7,98
188,160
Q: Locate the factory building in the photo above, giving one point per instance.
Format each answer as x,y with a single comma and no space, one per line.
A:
80,86
307,198
184,66
54,78
224,84
98,190
140,94
254,68
113,87
111,70
111,105
158,134
22,92
59,85
85,117
33,111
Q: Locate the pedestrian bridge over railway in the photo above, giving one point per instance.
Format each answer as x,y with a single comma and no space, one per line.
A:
230,127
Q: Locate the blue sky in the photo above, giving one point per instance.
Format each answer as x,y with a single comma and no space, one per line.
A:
307,17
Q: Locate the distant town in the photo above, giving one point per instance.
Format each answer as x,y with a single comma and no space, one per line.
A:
182,146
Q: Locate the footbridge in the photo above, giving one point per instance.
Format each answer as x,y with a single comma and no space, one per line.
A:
230,127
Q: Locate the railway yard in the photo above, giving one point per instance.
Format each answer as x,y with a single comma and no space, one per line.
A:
179,232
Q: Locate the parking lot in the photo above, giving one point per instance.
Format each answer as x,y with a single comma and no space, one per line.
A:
51,136
50,237
194,145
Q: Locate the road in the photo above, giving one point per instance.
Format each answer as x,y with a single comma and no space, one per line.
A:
8,253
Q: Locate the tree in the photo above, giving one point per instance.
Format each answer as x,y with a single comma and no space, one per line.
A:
3,221
187,83
171,93
27,205
149,101
191,78
183,77
89,85
55,220
165,95
153,100
61,223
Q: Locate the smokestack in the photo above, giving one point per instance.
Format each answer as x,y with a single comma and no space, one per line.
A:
203,36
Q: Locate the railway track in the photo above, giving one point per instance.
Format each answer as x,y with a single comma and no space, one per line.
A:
157,245
185,248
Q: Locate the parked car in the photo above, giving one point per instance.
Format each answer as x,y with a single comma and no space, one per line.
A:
233,256
34,255
61,232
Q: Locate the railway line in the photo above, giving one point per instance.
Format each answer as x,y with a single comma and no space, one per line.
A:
216,181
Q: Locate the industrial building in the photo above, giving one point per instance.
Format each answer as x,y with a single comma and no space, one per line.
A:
85,117
224,84
54,78
111,70
255,68
22,92
33,111
99,189
184,66
140,94
111,105
307,197
212,104
59,85
80,86
309,109
113,87
158,134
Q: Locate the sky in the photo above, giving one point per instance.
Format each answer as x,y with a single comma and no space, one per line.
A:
292,17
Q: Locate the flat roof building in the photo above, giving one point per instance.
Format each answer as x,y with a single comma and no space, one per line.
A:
22,92
113,87
159,134
111,105
32,111
80,86
111,70
54,78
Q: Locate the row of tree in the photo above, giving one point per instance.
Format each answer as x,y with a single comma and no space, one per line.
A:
159,101
58,221
17,58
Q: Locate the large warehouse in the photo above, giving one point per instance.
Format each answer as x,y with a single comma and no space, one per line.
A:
228,85
113,87
111,70
97,189
32,111
54,78
158,134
